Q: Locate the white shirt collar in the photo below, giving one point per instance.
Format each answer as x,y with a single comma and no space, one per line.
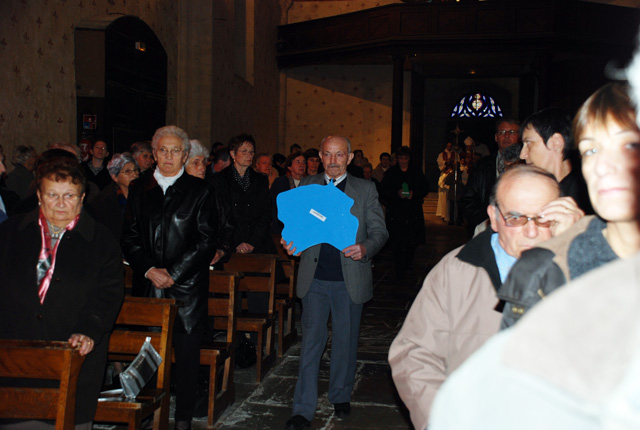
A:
164,181
337,181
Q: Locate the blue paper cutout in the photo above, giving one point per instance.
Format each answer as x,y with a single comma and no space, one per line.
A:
315,214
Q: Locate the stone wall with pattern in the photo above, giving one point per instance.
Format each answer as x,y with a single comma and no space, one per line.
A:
305,10
354,101
38,102
205,94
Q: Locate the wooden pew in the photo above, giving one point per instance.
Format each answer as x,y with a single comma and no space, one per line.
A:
140,318
34,359
286,307
217,354
259,275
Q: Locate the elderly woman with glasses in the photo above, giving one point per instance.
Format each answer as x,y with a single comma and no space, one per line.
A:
108,207
62,277
172,230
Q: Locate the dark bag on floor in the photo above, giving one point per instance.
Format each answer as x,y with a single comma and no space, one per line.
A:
245,353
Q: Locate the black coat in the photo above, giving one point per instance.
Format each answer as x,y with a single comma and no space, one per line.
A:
84,297
102,179
249,211
177,231
405,217
107,210
478,191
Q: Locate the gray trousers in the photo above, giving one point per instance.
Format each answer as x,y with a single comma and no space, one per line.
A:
322,299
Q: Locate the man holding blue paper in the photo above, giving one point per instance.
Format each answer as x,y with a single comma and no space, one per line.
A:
337,282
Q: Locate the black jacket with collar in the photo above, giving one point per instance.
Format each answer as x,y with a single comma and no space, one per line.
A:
478,192
249,211
178,231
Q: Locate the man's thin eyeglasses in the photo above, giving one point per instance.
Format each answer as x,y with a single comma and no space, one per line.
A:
520,220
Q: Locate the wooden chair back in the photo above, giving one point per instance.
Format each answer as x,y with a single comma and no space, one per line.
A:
259,274
147,315
139,318
24,360
223,293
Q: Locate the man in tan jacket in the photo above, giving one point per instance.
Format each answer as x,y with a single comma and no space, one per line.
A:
455,311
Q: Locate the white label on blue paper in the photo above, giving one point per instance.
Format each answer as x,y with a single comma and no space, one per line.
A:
318,215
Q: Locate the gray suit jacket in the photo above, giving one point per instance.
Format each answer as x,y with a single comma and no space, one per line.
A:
372,233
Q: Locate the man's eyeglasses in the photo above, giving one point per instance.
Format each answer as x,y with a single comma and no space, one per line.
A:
520,220
508,132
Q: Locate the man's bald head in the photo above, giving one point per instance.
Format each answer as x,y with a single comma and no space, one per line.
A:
521,191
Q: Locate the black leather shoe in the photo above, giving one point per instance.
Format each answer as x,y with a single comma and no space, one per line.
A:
298,422
342,410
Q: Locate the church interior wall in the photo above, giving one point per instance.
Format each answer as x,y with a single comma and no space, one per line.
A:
354,101
205,94
240,105
305,10
38,103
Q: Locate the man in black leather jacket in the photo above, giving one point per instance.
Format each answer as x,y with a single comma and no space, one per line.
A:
484,174
172,230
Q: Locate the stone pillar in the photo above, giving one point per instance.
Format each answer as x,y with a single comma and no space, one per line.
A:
397,102
194,70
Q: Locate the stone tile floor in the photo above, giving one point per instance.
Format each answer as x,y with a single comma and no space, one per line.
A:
375,403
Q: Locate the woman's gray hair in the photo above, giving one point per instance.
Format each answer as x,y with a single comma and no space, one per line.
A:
118,161
197,149
171,130
138,147
22,154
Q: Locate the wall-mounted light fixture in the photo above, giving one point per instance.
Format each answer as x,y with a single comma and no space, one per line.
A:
140,46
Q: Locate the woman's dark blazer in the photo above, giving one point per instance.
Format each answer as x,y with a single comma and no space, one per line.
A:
177,231
250,211
84,297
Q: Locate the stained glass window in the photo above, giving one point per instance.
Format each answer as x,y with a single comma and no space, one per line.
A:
476,105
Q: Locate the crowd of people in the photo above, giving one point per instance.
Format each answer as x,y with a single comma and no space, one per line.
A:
170,208
557,201
559,366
